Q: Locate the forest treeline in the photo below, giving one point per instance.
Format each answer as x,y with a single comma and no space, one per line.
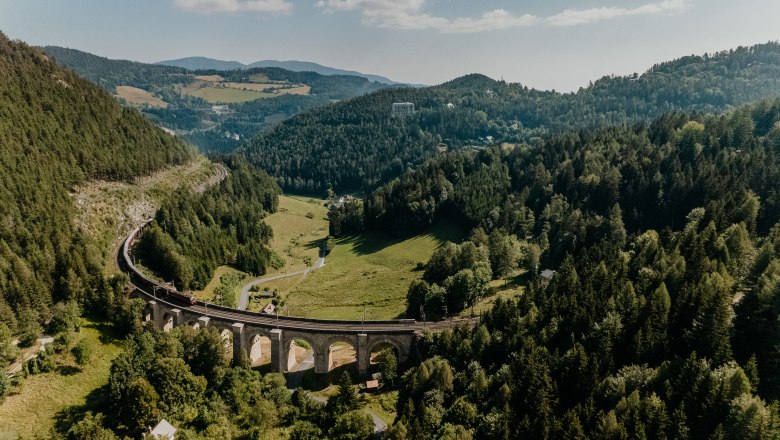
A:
193,116
356,144
58,130
192,234
186,377
661,320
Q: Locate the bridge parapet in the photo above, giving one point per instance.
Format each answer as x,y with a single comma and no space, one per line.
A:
245,335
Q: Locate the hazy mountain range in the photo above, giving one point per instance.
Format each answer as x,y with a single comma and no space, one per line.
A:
196,63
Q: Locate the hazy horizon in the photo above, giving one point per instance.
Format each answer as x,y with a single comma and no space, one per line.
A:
559,44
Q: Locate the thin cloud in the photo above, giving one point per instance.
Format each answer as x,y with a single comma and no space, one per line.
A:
574,17
409,15
211,6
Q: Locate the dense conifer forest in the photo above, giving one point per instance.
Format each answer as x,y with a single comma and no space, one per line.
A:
192,116
357,144
193,234
58,130
661,320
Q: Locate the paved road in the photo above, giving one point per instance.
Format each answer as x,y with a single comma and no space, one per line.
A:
243,302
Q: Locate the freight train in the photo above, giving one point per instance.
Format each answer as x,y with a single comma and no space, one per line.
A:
142,281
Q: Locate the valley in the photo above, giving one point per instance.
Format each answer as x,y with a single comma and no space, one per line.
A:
183,100
477,259
371,270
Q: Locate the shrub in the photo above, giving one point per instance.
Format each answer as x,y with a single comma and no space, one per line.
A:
81,352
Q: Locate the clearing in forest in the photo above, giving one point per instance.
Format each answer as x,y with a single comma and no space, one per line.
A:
136,96
32,409
214,89
370,269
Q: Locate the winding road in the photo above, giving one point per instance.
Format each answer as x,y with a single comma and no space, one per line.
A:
243,302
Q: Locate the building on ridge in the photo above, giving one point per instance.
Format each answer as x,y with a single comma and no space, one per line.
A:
403,109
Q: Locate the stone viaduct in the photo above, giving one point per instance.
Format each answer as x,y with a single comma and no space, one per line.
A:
246,329
168,308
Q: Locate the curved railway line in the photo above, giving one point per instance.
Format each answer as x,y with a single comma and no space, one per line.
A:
168,308
146,287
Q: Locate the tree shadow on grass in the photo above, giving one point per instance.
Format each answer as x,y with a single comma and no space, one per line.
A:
68,370
108,333
312,381
370,242
96,401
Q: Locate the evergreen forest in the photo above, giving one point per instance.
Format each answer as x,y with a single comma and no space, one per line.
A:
661,318
58,130
356,145
192,234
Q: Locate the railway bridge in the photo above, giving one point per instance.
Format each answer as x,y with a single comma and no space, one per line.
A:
248,329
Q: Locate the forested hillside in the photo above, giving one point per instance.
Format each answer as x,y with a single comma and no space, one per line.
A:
192,117
661,320
357,144
194,233
56,131
109,74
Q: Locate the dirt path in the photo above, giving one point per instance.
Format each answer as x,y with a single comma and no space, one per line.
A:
28,353
243,302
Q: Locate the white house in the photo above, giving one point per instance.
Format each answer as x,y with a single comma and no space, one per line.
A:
163,430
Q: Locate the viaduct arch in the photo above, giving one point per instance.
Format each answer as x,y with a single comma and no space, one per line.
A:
166,315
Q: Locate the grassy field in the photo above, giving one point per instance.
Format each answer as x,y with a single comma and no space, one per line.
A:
136,96
371,269
228,95
214,89
383,405
108,210
210,78
34,408
222,277
295,235
509,289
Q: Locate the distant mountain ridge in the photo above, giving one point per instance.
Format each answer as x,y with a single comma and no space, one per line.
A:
204,63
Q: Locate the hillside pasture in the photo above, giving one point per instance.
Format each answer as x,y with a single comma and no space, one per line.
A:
370,269
34,407
139,97
299,224
209,78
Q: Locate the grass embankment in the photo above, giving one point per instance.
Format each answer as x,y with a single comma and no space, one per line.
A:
225,287
370,269
108,210
32,409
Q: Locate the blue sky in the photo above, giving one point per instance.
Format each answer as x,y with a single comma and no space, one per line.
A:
547,44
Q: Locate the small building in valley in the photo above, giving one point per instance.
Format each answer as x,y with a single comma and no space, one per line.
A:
220,109
546,276
163,431
269,309
371,385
